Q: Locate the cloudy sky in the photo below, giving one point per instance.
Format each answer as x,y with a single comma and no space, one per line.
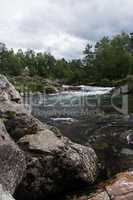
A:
62,27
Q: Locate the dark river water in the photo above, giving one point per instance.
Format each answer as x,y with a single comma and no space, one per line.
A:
92,116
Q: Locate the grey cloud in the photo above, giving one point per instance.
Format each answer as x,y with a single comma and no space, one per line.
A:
63,26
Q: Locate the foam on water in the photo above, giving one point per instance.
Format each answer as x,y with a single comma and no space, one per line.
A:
85,91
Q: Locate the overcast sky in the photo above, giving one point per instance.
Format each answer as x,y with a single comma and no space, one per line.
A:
62,27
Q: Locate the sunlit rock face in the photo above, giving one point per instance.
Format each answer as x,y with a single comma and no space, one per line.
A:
122,187
119,188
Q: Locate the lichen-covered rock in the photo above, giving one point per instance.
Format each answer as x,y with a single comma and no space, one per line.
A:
12,162
8,91
53,163
19,124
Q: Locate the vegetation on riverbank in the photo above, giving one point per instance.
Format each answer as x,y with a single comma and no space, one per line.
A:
108,63
34,84
37,83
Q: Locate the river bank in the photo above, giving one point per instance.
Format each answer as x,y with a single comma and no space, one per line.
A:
39,84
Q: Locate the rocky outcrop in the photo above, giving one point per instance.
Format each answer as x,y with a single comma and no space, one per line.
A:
11,162
53,163
119,188
8,91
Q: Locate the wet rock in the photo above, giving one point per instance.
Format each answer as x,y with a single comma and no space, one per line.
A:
50,89
127,151
130,139
12,161
71,88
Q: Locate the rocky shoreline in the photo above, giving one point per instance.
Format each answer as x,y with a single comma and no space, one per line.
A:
36,163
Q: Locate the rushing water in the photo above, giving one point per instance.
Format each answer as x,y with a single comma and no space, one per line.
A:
91,116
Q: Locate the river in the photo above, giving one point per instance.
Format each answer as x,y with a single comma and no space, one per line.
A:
93,116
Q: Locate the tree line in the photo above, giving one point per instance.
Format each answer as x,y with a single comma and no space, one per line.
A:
110,59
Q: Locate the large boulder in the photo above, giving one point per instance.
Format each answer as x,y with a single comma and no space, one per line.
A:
12,162
53,163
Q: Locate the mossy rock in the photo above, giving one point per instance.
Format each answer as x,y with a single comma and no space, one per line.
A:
105,82
11,114
34,84
56,131
101,146
50,89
